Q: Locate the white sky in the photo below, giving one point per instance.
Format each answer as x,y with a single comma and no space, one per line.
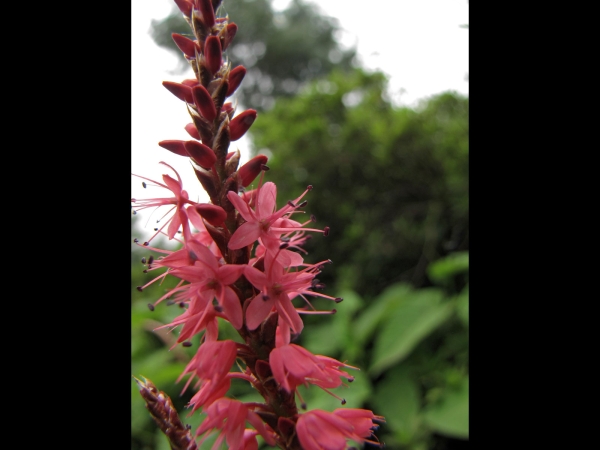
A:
419,44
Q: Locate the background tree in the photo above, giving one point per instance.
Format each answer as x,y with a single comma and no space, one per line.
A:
281,51
392,183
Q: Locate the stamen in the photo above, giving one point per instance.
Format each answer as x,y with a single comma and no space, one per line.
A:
186,344
303,204
339,300
309,187
144,260
150,259
144,184
326,231
150,306
313,218
139,288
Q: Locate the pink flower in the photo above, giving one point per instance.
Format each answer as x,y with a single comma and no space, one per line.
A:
264,221
323,430
293,365
178,201
230,417
275,285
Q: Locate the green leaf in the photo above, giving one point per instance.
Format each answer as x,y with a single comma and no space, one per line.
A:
443,269
413,319
381,308
397,399
462,305
450,416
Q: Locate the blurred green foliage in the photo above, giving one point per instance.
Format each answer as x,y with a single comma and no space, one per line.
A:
391,183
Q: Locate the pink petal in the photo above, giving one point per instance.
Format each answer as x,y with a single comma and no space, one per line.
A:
256,277
266,200
257,311
241,206
245,235
232,308
288,313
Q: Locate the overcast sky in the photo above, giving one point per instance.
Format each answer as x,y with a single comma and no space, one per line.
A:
419,44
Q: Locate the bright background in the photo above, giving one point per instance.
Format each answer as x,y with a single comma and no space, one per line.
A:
419,44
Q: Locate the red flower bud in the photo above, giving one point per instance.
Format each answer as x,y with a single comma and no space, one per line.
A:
174,146
235,78
229,34
187,46
185,7
249,171
213,214
181,91
212,53
227,107
202,154
207,11
241,123
191,82
204,102
193,131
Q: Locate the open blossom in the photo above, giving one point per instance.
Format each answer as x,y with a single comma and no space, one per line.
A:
323,430
264,221
178,202
229,417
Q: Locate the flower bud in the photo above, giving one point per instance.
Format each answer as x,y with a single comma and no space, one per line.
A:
212,53
174,146
235,78
228,34
249,171
191,129
241,123
213,214
179,90
207,11
204,102
202,154
187,46
185,7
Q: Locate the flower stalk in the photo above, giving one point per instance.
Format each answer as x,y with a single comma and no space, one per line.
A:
241,260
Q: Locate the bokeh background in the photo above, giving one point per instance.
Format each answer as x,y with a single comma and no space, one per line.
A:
378,123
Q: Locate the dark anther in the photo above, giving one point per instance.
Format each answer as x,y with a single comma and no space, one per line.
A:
218,308
144,260
136,240
150,259
171,302
350,380
144,184
139,288
309,187
150,306
339,300
284,245
264,167
284,239
303,406
303,204
145,271
188,426
315,281
193,256
156,229
265,297
343,401
146,244
333,311
313,218
291,203
326,231
186,344
134,213
182,304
